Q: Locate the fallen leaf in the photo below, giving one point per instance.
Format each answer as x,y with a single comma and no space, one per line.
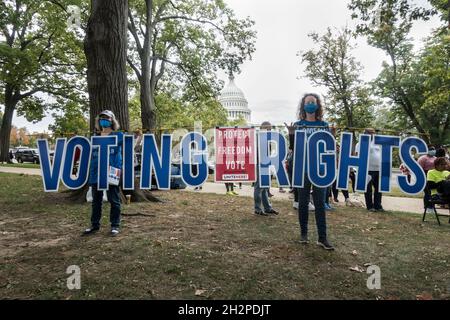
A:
354,252
199,292
424,296
357,269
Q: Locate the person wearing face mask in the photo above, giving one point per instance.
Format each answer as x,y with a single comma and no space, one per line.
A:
310,115
106,124
427,163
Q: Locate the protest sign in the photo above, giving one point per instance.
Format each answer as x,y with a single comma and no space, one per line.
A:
235,155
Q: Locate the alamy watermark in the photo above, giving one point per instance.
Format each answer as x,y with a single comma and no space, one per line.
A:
374,280
74,280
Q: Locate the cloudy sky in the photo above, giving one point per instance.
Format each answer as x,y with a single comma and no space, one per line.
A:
272,81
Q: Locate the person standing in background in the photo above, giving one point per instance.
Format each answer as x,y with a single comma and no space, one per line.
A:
373,204
260,194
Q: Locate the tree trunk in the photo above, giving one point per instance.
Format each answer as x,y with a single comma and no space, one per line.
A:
5,129
148,106
105,47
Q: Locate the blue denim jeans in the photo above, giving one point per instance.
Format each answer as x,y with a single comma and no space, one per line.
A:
319,195
114,199
261,195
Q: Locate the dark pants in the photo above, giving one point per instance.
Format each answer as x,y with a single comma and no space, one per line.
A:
336,191
303,213
353,180
114,199
427,196
374,183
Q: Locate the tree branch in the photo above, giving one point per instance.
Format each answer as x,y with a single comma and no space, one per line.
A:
136,69
189,19
133,30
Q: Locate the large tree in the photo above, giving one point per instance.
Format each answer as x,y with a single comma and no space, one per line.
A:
186,41
105,47
40,58
332,66
387,25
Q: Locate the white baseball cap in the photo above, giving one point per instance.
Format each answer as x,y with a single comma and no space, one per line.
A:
108,113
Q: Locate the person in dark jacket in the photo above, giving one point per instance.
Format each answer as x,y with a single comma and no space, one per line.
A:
310,115
106,124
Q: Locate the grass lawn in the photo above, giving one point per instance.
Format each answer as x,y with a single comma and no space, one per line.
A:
207,246
21,165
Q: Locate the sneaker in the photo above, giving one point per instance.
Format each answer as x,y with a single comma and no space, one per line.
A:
336,200
430,210
270,195
89,231
372,210
114,232
380,210
304,239
325,244
282,191
272,211
230,193
328,207
347,202
311,207
295,205
260,213
234,193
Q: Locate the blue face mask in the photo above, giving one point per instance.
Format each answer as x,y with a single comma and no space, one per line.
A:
311,108
104,123
431,153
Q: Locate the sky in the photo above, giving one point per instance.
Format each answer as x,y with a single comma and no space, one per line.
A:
273,80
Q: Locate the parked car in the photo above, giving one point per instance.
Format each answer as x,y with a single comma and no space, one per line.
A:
14,150
27,155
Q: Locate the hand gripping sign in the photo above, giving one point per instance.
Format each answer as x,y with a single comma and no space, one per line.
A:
235,155
315,157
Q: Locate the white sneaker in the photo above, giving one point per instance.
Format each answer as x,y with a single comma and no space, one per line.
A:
311,207
430,210
295,205
347,202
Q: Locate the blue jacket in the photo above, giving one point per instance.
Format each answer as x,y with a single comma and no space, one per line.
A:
115,158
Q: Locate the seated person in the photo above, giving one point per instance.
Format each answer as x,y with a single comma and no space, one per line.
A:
438,180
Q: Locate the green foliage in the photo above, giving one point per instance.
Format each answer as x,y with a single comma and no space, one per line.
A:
239,122
349,102
415,88
174,113
72,120
39,54
190,40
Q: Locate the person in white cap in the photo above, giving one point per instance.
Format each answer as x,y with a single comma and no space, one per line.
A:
106,124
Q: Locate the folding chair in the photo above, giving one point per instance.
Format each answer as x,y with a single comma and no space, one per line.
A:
435,202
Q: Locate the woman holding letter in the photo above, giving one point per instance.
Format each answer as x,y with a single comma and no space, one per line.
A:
106,124
310,115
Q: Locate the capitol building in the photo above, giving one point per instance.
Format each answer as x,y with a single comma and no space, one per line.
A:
233,100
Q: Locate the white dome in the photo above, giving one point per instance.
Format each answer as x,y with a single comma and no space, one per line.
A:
233,100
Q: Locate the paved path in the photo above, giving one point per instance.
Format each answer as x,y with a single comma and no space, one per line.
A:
31,171
413,205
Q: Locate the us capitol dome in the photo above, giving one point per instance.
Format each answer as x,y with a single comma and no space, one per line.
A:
233,100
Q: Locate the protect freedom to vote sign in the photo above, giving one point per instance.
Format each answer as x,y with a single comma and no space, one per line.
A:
235,155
